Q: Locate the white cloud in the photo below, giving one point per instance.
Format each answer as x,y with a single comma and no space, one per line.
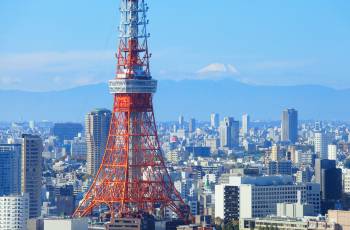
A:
45,71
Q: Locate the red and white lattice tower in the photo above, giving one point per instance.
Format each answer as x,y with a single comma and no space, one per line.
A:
132,178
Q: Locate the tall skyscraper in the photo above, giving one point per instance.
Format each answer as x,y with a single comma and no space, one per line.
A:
275,152
245,124
31,172
192,125
214,120
330,179
290,125
181,121
229,133
321,142
96,130
10,169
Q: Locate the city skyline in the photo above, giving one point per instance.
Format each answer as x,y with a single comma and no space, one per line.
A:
240,125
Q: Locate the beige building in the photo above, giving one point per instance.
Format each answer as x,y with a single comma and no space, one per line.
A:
31,172
340,217
285,223
275,150
96,130
66,224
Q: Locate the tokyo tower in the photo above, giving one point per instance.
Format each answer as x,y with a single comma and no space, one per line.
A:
132,178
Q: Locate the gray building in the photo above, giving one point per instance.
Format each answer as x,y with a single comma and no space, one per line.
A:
96,130
321,142
330,179
31,172
214,120
192,125
229,133
289,125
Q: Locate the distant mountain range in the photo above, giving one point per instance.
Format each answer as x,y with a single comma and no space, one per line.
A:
192,98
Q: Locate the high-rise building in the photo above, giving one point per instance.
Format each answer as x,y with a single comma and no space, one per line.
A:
290,125
192,125
292,154
181,121
275,152
332,152
31,172
245,124
330,179
321,142
10,169
229,133
14,212
96,131
66,131
214,120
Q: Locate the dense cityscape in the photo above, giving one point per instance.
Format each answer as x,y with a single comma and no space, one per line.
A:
231,172
120,168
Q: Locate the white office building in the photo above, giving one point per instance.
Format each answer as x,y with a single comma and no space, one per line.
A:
245,124
14,212
321,142
259,196
214,120
332,152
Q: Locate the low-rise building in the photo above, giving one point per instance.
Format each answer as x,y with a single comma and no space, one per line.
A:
285,223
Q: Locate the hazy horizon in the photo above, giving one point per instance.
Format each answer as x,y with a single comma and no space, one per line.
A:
262,43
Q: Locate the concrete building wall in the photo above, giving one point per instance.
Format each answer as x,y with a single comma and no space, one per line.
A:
66,224
260,201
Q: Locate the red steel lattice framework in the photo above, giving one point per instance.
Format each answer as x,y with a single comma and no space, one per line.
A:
132,178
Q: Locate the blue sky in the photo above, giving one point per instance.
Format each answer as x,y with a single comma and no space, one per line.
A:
57,44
